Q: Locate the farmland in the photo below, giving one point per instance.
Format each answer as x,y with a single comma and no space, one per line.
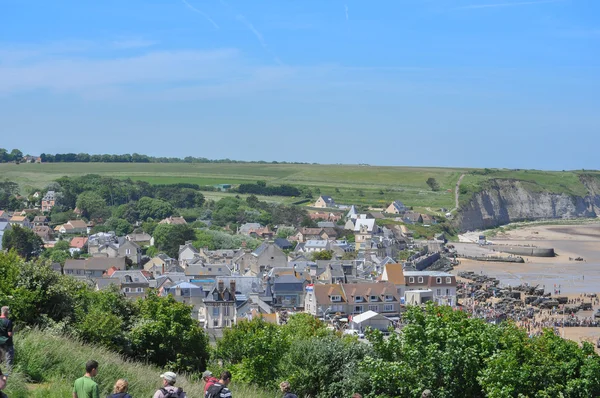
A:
369,185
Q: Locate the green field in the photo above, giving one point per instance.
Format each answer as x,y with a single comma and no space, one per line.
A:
349,184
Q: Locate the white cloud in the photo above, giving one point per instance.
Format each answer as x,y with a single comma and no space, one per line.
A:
208,18
69,73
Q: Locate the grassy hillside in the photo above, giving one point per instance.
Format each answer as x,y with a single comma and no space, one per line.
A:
355,184
371,185
47,365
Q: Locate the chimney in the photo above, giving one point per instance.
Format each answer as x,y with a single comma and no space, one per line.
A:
232,286
221,286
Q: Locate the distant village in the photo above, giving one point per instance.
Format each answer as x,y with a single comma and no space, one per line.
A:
346,270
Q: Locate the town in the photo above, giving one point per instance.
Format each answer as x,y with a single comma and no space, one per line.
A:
343,268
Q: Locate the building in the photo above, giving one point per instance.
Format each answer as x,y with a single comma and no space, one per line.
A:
73,227
288,292
325,201
352,299
394,273
93,267
21,221
187,253
44,232
220,309
48,201
4,226
268,255
396,207
174,221
142,239
133,283
441,284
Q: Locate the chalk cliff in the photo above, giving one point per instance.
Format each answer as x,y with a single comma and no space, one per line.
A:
502,201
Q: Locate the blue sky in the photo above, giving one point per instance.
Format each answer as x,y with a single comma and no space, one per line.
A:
481,83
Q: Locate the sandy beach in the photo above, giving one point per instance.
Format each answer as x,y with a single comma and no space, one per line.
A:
560,273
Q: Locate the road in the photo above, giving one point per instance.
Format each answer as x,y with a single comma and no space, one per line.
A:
457,193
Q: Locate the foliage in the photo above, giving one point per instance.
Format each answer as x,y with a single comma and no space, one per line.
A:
53,362
92,205
24,241
433,184
156,209
120,226
322,255
285,232
261,188
166,334
216,240
253,350
454,355
168,237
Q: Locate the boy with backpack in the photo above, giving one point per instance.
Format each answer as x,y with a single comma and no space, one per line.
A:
219,389
168,389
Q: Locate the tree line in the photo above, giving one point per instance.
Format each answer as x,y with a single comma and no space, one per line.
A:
138,158
261,188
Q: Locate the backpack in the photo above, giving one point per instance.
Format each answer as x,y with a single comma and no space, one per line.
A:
3,329
171,394
214,391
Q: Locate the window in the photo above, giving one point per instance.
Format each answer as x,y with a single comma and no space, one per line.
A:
448,279
336,298
220,269
374,308
439,292
126,290
226,310
78,272
420,279
358,299
127,251
411,280
438,280
358,308
374,298
215,311
447,292
388,307
209,268
215,323
389,298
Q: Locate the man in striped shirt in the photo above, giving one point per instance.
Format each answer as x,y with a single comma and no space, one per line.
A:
219,389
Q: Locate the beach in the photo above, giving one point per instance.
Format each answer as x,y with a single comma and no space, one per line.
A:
555,274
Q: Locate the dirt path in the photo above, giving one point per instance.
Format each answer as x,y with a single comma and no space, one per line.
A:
457,192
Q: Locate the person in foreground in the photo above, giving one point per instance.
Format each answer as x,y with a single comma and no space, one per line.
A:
2,384
219,389
120,389
85,387
168,390
6,336
286,389
209,380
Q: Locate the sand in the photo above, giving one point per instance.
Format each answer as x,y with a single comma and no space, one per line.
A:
571,277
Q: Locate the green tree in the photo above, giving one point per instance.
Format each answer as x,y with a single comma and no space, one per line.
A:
433,184
154,208
119,226
92,206
253,350
16,155
168,237
323,255
24,241
166,334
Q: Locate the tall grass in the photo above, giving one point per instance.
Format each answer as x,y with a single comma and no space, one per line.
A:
46,366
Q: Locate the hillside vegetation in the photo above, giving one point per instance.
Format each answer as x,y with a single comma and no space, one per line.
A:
47,365
372,185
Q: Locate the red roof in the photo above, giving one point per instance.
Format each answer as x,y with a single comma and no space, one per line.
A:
78,243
